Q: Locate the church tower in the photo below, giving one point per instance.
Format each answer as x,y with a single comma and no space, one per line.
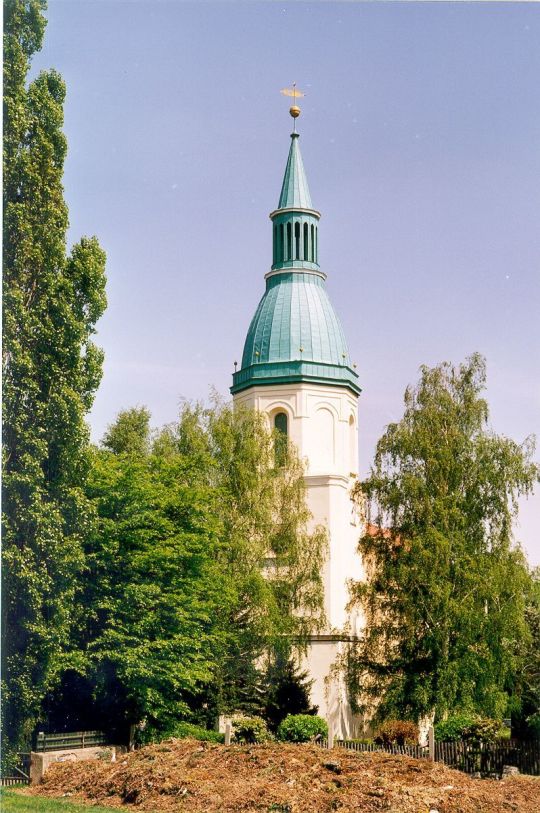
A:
296,369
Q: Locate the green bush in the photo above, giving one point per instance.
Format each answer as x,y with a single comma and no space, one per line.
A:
482,730
397,732
250,730
451,729
302,728
180,730
183,730
468,727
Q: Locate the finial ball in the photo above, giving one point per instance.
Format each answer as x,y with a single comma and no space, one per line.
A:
294,111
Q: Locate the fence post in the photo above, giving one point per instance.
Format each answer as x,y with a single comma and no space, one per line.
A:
431,743
330,735
228,732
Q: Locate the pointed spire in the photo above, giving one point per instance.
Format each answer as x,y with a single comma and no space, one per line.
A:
295,190
295,228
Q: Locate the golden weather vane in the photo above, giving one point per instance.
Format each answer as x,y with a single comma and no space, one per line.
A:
296,94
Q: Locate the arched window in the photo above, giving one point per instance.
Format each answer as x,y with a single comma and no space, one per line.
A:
306,255
297,241
312,243
316,244
280,422
274,247
281,427
281,243
289,242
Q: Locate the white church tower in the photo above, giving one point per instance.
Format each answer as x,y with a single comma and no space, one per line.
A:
296,368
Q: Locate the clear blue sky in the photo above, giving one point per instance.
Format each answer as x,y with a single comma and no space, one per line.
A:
421,140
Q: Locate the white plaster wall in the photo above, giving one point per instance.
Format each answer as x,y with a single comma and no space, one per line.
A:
328,691
323,424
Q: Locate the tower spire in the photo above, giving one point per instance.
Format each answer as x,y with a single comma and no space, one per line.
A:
295,221
295,190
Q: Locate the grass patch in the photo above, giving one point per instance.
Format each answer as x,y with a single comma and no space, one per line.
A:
13,802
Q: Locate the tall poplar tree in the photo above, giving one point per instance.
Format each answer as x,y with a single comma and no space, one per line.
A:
51,370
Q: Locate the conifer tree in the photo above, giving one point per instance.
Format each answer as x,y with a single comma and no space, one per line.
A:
288,690
51,370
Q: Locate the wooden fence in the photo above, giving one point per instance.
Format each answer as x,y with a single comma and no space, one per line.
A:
416,751
484,758
490,757
68,740
21,772
13,781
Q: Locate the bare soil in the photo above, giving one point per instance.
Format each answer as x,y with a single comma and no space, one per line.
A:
195,777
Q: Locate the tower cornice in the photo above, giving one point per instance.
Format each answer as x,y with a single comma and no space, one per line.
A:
274,272
292,209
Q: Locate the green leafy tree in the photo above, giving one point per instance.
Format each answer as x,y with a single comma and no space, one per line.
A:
51,370
130,433
444,599
273,562
526,716
199,562
154,589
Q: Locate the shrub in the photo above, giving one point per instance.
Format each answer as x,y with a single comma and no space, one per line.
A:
533,725
180,730
397,732
250,730
451,729
183,730
468,727
302,728
482,730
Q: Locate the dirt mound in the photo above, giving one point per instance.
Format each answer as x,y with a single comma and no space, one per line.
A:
194,777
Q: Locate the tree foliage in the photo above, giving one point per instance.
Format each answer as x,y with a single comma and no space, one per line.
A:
130,433
51,370
526,718
273,561
444,598
288,690
198,564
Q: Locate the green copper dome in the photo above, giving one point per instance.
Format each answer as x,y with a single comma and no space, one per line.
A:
295,334
295,320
